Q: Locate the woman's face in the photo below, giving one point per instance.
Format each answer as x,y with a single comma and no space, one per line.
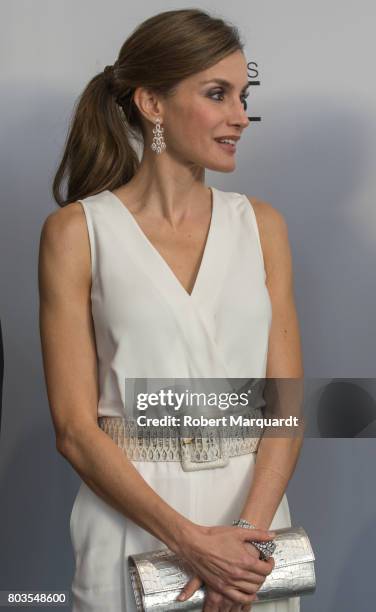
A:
203,110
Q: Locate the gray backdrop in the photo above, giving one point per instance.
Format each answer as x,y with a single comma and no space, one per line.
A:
312,157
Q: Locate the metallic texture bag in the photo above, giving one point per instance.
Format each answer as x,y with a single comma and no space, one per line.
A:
158,577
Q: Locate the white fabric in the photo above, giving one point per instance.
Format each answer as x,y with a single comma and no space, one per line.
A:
147,325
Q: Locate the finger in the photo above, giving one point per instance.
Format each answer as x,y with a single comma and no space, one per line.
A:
227,588
226,605
236,608
250,588
258,566
239,597
247,607
217,601
191,587
255,571
209,607
242,577
211,601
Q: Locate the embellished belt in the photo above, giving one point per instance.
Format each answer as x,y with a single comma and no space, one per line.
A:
204,448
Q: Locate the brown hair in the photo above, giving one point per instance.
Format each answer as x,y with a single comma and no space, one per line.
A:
160,52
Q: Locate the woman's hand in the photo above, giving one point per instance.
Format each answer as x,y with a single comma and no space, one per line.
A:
221,558
214,601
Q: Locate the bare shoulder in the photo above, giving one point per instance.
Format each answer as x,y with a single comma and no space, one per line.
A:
64,224
269,219
273,232
64,242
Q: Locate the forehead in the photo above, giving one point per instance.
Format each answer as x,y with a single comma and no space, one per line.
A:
229,71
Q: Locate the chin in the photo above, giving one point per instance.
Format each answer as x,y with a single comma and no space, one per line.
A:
218,167
216,163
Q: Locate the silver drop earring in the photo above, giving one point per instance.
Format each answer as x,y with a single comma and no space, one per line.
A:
158,145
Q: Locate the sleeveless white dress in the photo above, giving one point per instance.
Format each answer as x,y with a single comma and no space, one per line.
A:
147,325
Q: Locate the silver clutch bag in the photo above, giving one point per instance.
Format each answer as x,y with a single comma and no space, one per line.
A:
158,577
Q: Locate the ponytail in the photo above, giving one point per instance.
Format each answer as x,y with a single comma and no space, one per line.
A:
98,154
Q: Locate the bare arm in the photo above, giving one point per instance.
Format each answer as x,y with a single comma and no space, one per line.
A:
276,457
69,358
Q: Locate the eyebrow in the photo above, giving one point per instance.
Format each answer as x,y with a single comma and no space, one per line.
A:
224,83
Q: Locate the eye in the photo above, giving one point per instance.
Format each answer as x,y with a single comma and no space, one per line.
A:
220,93
216,93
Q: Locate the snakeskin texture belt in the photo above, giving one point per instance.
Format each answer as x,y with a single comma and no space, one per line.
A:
205,448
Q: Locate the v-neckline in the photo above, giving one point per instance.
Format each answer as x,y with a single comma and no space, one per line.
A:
154,251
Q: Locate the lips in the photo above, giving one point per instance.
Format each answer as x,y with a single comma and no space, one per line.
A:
222,139
229,148
233,137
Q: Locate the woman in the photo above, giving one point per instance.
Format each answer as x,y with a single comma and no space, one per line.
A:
147,272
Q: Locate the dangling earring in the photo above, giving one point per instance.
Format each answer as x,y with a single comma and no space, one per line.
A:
158,143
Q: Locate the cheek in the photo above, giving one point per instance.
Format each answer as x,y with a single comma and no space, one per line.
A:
196,120
203,116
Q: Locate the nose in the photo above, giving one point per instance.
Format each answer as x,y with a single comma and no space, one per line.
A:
240,116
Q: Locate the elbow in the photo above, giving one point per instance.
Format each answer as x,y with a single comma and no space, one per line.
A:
61,445
70,438
64,441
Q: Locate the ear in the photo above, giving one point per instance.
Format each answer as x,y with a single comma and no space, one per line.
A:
148,103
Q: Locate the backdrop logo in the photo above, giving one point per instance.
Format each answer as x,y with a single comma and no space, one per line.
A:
253,75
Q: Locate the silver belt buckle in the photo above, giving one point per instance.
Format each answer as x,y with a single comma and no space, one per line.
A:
203,453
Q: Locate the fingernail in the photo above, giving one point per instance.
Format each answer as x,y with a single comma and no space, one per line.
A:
181,597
